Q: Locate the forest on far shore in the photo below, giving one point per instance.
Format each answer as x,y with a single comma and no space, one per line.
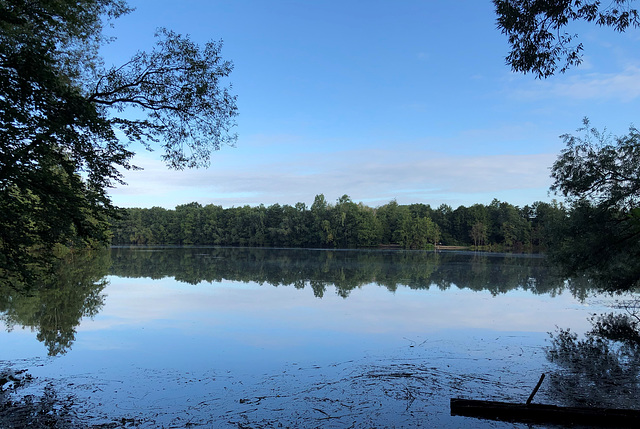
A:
345,224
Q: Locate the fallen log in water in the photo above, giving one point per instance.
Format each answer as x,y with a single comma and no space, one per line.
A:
538,413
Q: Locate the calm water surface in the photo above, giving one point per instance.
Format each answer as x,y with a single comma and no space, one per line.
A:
222,337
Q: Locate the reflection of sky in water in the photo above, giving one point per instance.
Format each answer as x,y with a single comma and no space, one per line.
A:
367,310
149,328
167,317
233,322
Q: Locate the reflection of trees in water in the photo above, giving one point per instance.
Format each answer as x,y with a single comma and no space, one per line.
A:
55,307
601,369
344,269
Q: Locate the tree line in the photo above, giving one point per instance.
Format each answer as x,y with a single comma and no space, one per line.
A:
344,224
62,147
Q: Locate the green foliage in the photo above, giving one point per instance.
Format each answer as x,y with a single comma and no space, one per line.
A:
178,86
536,30
59,150
596,172
416,232
546,219
479,234
600,168
344,225
600,243
599,176
49,134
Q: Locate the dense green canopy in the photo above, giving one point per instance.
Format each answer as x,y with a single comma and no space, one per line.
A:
60,148
599,174
345,224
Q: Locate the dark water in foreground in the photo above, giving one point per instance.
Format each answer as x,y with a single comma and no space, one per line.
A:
252,338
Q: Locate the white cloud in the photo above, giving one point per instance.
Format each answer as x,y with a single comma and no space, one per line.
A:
374,176
623,86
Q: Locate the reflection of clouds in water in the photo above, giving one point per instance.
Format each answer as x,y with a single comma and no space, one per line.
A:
166,352
368,310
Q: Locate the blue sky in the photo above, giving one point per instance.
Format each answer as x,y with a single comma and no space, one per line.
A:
379,100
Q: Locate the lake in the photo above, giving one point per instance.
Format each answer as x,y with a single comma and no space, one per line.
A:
256,338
